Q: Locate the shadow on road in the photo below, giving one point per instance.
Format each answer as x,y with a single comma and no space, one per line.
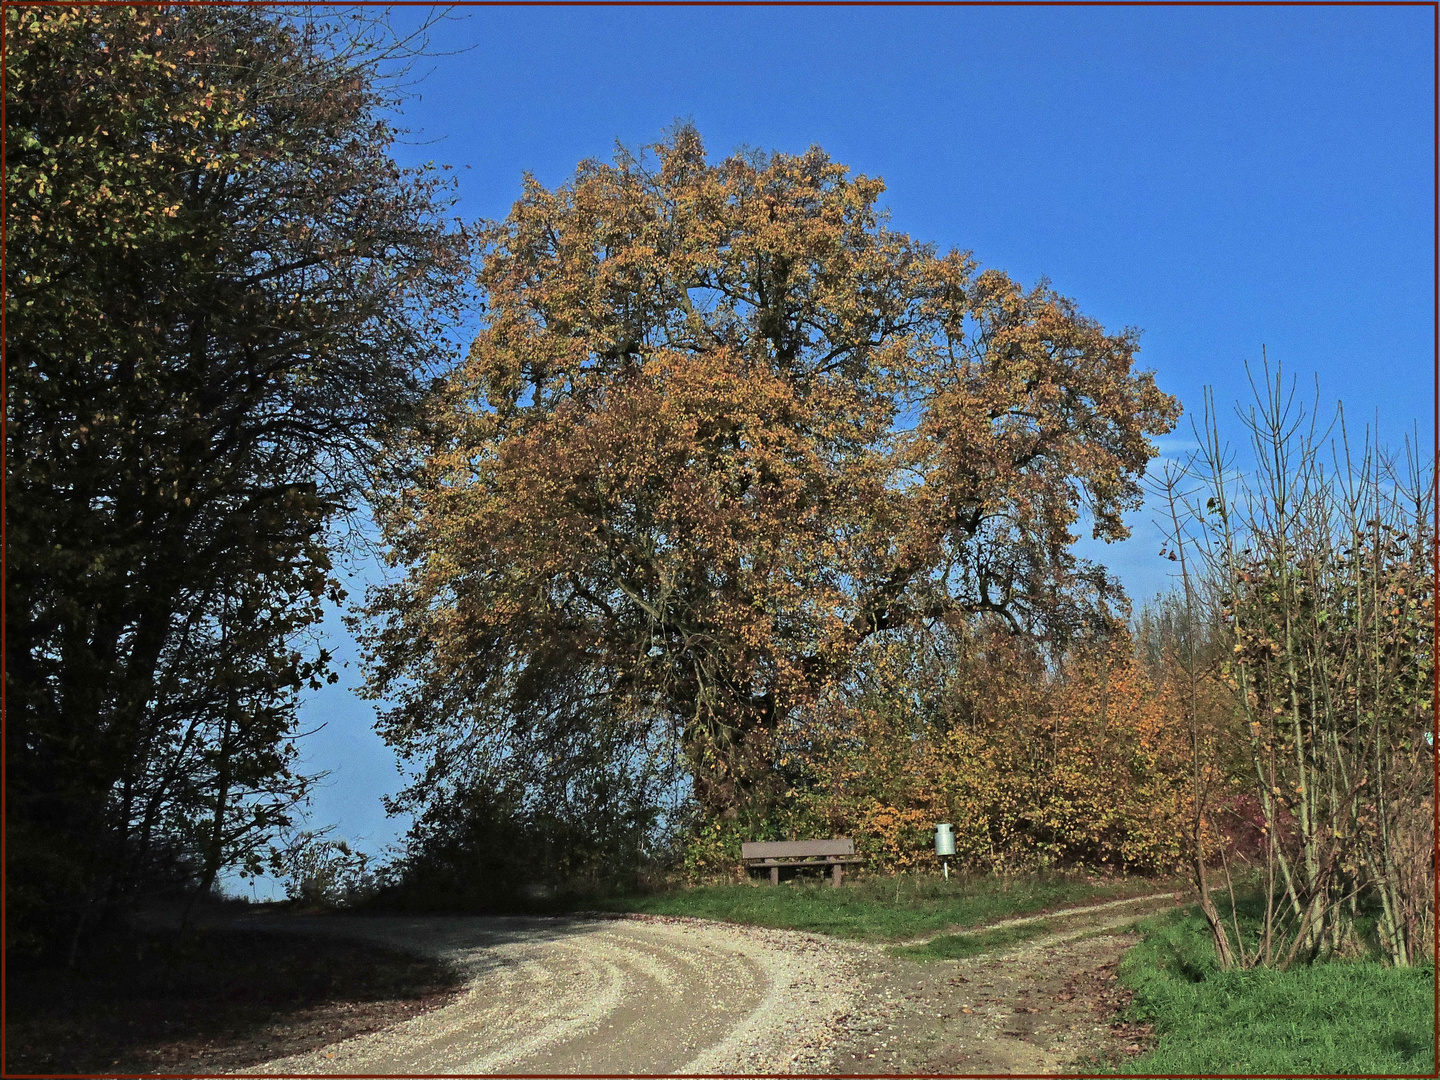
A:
228,994
469,941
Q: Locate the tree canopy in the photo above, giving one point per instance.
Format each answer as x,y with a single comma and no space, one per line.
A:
218,287
722,426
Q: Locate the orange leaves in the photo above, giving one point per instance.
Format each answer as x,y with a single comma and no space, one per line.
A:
698,452
723,425
1042,404
1085,768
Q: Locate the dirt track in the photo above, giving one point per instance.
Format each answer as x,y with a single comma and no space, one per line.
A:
654,995
1048,1005
634,995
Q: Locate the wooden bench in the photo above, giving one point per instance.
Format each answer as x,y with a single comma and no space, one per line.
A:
777,853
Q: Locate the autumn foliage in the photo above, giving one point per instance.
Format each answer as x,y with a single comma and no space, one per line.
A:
725,431
744,517
1306,642
1084,766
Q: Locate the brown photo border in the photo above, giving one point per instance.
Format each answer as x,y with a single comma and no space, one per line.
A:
1433,5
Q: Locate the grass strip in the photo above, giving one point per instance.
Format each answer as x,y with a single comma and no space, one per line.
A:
960,946
1341,1017
885,909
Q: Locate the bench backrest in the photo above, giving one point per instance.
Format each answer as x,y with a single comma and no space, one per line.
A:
794,849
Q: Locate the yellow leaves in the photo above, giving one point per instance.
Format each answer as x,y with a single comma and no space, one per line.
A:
1089,768
680,420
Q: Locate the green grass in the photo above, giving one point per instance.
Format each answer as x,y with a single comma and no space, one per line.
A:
959,946
885,909
1340,1017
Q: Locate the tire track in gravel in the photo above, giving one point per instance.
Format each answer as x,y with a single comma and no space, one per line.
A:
666,995
1044,1006
632,995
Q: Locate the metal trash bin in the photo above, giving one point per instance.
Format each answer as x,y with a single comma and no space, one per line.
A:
945,846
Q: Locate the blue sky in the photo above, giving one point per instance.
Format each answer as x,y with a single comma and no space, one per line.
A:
1222,178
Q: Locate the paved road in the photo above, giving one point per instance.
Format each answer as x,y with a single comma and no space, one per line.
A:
638,995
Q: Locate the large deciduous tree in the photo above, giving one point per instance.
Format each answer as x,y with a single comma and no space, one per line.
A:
218,286
722,425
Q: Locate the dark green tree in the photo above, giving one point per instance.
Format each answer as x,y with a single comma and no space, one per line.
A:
219,287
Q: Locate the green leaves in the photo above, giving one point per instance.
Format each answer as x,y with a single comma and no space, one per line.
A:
220,286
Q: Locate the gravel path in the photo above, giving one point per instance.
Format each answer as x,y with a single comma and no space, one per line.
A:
659,995
633,995
1047,1005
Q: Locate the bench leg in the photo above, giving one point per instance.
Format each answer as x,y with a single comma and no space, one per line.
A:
835,873
774,875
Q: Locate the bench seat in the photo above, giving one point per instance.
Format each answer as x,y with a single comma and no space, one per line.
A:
773,854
